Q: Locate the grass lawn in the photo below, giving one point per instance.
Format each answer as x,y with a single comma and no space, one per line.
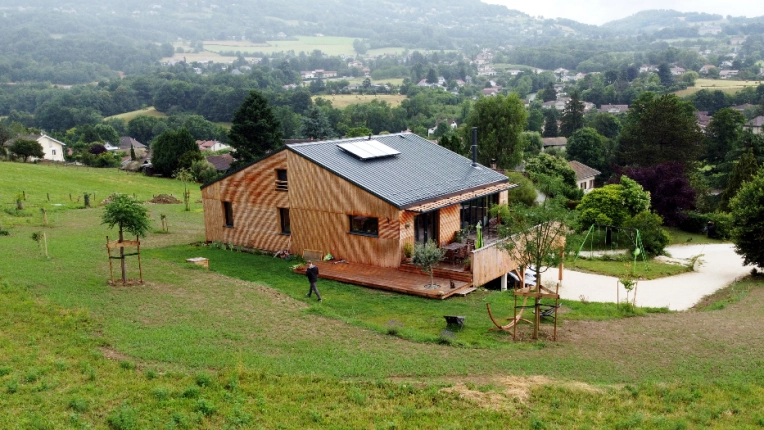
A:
240,346
728,86
149,111
341,101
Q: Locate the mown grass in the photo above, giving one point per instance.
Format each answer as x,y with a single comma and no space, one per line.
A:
679,237
195,349
728,296
623,265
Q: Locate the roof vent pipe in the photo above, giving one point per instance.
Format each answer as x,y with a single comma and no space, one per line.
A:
474,147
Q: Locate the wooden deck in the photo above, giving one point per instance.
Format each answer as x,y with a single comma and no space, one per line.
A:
399,281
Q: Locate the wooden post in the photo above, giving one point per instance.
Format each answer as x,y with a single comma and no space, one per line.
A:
108,251
140,268
514,328
70,197
48,196
44,216
45,242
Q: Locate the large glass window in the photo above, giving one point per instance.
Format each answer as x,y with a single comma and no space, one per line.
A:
284,215
476,210
228,210
426,227
365,225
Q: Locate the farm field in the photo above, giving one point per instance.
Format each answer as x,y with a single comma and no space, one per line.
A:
149,111
328,45
728,86
240,346
341,101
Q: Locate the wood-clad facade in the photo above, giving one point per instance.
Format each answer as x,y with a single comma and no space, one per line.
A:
255,204
288,201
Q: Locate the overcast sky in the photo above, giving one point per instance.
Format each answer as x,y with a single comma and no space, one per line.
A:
601,11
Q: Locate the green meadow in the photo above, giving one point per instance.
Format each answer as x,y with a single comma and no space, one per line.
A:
240,346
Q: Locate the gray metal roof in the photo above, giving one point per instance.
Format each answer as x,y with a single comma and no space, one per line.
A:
422,172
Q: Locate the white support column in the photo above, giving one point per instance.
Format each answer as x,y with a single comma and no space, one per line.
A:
504,282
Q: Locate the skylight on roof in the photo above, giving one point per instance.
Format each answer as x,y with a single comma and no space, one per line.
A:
368,149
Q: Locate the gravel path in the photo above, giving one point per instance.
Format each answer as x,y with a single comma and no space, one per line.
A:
719,266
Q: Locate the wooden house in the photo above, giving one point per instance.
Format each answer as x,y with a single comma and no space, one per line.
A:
359,199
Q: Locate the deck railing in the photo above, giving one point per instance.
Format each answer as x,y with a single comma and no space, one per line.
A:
490,262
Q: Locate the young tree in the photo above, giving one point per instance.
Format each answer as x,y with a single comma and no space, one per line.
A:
173,149
607,125
659,129
426,256
548,166
587,146
26,148
500,121
535,238
432,76
254,130
748,220
128,215
572,115
526,192
613,204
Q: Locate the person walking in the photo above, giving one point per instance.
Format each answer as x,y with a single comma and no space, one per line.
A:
312,274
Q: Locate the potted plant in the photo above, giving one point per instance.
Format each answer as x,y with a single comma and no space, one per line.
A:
408,251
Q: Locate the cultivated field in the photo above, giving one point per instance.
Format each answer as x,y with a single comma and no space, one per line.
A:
327,44
241,347
728,86
341,101
149,111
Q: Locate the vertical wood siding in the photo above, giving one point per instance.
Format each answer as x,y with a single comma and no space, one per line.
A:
407,233
321,204
504,197
255,202
489,263
450,222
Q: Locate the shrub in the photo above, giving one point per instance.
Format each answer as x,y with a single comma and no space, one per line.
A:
206,407
654,238
78,404
124,418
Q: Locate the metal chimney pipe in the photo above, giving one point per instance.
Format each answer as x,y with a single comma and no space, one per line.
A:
474,147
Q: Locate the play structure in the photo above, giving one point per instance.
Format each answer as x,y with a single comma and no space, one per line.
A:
613,237
531,290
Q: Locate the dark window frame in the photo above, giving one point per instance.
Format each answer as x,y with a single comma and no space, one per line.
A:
286,228
366,220
228,214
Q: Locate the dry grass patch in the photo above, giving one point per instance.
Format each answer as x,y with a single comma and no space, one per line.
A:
341,101
728,86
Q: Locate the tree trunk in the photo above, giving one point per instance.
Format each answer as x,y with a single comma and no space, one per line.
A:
122,258
537,319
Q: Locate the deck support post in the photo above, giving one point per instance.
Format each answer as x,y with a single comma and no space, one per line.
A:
504,282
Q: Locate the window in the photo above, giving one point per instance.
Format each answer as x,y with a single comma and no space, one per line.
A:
476,210
284,215
364,225
228,210
54,152
281,180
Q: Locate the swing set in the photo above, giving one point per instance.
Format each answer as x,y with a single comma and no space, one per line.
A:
633,237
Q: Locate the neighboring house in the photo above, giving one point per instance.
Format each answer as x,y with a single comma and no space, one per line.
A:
703,118
492,91
614,109
359,199
755,124
53,149
124,145
451,123
726,74
221,162
211,145
648,68
742,108
676,71
584,175
554,142
706,69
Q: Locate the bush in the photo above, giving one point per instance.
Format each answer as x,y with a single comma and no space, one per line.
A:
697,223
654,238
124,418
203,171
723,223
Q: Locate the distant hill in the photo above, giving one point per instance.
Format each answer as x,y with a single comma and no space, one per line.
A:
650,21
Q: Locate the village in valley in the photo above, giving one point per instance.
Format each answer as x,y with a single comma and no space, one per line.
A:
454,216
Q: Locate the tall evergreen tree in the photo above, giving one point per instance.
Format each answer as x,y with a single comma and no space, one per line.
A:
723,134
659,129
170,148
550,127
572,116
315,124
255,131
